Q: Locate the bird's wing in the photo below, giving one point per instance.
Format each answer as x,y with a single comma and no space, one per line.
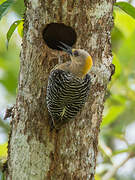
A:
66,94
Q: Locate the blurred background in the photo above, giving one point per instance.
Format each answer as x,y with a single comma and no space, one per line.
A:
116,158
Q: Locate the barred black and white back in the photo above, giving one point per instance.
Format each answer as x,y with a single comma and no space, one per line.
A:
66,95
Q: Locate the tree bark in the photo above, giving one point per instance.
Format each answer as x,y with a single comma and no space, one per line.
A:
35,153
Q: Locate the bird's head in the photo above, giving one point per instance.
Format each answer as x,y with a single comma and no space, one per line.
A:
79,56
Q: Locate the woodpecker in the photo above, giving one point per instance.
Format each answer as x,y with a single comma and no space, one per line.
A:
68,86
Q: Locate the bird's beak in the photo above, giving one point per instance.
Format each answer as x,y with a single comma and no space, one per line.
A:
65,48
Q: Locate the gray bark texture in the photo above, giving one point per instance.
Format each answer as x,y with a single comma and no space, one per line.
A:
35,153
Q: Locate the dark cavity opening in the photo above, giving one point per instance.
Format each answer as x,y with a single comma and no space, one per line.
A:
59,32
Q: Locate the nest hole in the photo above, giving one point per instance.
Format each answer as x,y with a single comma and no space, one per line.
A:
54,33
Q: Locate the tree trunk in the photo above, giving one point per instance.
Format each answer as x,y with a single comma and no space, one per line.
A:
35,153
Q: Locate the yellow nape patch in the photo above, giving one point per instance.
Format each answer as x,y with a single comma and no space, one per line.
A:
88,65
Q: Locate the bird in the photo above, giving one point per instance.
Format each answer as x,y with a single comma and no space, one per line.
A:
68,86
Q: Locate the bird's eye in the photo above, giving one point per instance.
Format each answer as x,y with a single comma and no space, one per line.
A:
76,53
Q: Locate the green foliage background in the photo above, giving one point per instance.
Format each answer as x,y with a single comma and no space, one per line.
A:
119,112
